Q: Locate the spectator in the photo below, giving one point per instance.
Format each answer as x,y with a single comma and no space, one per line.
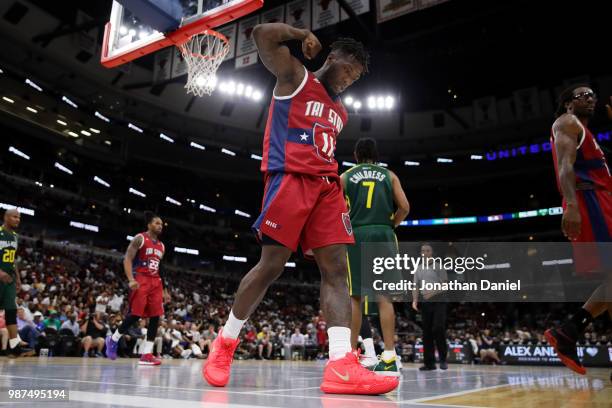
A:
102,302
52,322
27,329
94,332
264,342
71,324
297,343
38,321
487,348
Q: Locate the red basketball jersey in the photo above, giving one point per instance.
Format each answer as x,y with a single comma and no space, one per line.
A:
590,165
149,256
301,131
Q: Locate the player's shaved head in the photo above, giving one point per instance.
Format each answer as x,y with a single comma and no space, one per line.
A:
12,217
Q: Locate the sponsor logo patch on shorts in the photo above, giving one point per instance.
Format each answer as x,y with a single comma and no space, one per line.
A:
346,220
272,224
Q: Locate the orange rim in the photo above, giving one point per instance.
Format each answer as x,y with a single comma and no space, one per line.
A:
205,32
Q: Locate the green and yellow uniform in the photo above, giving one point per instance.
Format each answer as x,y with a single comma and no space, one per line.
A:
8,249
369,195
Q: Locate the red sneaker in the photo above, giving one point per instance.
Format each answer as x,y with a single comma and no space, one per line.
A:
347,376
149,359
216,369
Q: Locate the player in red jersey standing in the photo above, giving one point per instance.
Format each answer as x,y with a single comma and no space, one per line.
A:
583,177
303,202
141,266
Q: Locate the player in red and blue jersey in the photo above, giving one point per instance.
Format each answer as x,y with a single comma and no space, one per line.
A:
303,203
141,266
584,180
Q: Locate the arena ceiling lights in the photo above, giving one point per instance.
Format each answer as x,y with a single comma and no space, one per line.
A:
136,192
63,168
18,152
374,103
247,91
22,210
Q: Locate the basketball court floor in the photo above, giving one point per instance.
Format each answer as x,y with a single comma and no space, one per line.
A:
178,383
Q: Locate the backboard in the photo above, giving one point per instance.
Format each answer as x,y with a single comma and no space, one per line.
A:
140,27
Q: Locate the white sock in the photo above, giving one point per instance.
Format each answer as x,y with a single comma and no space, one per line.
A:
14,342
232,327
369,347
388,355
339,342
117,335
147,348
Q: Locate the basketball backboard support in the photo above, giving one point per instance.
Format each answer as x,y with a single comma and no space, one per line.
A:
140,27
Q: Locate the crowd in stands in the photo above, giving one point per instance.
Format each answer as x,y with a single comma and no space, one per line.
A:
70,300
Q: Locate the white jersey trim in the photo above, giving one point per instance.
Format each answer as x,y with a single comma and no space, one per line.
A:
297,91
143,240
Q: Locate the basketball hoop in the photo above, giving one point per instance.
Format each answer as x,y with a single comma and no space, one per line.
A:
203,53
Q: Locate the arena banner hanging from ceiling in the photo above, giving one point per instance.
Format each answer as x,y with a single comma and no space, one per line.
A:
389,9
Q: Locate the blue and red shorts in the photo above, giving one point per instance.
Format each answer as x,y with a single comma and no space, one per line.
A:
595,206
148,299
304,210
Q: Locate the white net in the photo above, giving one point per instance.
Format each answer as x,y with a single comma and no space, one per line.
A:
203,54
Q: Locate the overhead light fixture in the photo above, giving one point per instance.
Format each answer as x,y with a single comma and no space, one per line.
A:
348,100
189,251
383,164
102,117
108,142
33,84
257,95
123,30
348,164
69,102
380,102
411,163
197,146
18,153
207,208
248,91
101,181
84,226
136,192
61,122
86,133
166,138
256,157
389,102
228,152
31,109
476,157
94,130
234,258
7,99
22,210
357,105
71,133
444,160
63,168
242,214
290,265
134,127
371,102
173,201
